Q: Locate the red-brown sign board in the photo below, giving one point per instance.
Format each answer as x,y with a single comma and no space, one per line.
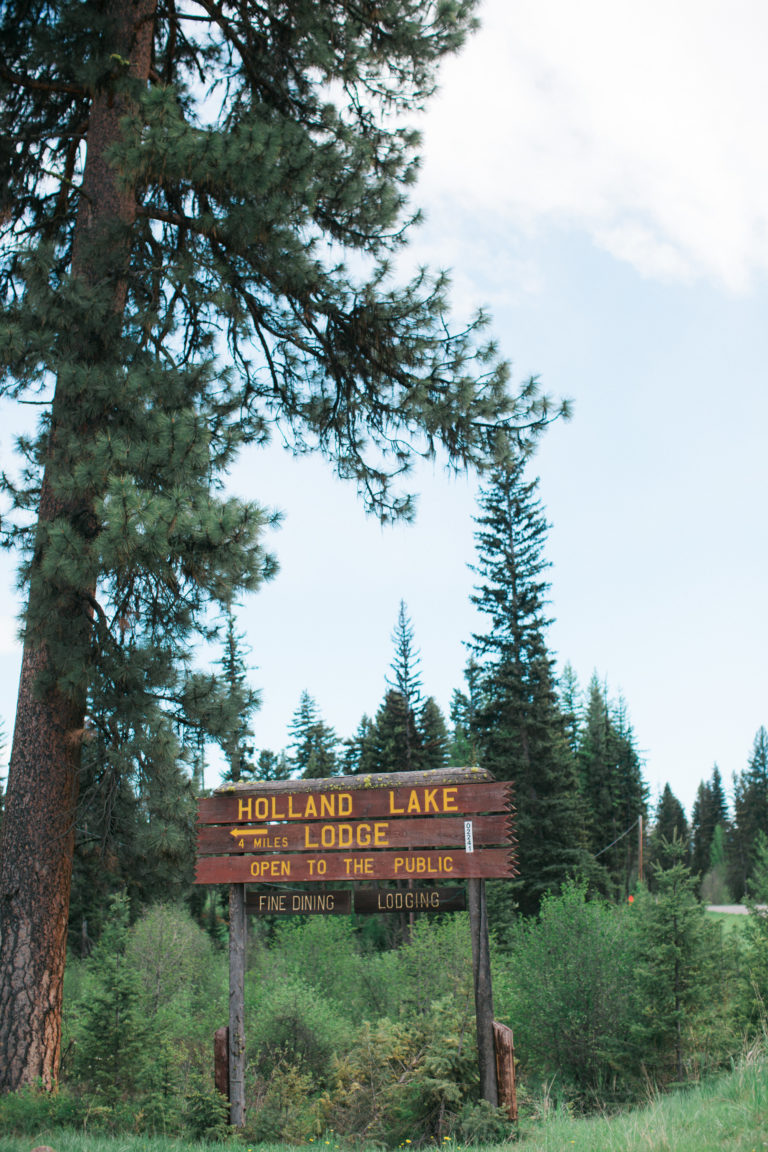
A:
450,864
340,803
448,824
342,835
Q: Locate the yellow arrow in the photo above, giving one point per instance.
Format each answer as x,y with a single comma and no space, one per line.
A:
249,832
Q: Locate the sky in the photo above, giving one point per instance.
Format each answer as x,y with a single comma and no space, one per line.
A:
596,174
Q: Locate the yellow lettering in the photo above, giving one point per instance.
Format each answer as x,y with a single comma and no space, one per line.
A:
307,842
345,835
413,802
275,814
364,836
310,808
327,835
345,804
260,808
291,814
392,810
327,804
449,800
399,863
380,835
244,809
430,800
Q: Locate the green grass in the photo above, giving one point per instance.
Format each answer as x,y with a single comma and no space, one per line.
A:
729,921
729,1114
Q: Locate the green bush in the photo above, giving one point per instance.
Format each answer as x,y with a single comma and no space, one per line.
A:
407,1079
290,1023
569,997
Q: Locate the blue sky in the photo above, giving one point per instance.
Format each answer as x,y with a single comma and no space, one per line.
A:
597,174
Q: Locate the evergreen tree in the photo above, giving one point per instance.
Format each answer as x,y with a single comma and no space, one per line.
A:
271,766
313,748
462,752
433,734
169,181
750,814
709,811
358,756
111,1050
395,741
669,827
672,942
240,702
612,787
520,731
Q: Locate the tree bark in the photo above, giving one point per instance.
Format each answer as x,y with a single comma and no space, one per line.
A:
39,822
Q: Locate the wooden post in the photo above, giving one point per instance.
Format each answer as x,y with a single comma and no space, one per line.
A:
221,1061
505,1068
237,1005
481,965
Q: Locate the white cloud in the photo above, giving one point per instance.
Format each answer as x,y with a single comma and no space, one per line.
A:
642,124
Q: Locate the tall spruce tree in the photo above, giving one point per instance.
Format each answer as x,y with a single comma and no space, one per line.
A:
710,810
312,751
520,731
669,827
172,179
750,814
612,786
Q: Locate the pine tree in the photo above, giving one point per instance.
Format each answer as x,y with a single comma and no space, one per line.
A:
612,786
111,1051
709,813
520,731
312,752
672,940
750,814
240,702
433,734
395,741
669,826
462,752
171,181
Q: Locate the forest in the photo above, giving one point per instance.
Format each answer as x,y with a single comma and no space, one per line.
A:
612,981
202,206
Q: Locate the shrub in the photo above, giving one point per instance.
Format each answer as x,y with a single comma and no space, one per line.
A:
569,996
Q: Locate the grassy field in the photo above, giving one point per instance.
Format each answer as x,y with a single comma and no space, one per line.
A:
727,1115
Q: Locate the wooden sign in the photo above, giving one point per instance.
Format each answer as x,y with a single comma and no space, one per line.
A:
361,901
286,903
369,900
450,864
322,835
344,799
448,824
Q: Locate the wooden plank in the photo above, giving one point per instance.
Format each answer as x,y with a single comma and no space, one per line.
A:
394,802
286,903
451,864
221,1061
371,900
504,1044
427,778
437,832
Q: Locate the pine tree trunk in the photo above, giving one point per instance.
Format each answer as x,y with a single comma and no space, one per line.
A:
39,821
